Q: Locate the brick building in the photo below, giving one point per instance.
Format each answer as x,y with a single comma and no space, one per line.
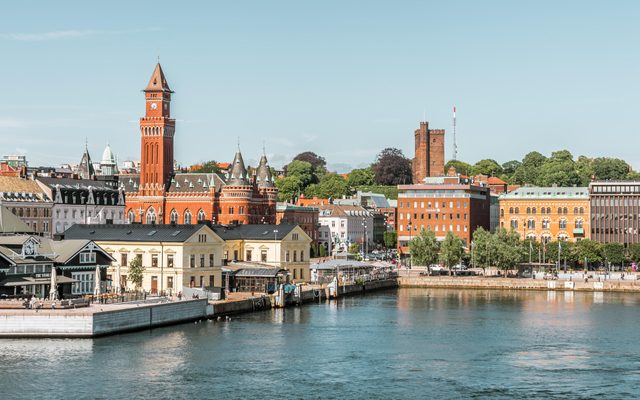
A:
442,204
429,153
29,202
546,213
305,217
160,195
615,207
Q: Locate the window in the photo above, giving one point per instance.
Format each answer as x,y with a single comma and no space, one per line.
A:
187,217
301,255
545,224
528,210
564,210
514,224
559,210
517,210
531,224
575,210
174,216
295,256
201,216
211,262
263,256
87,258
563,224
579,224
84,282
170,282
286,256
201,260
154,261
170,261
581,210
248,255
151,215
231,210
241,210
123,259
192,261
542,210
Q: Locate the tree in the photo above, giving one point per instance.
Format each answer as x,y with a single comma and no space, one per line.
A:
136,272
322,250
613,253
610,169
510,167
634,252
483,246
508,251
354,248
289,188
460,166
361,177
392,167
208,167
487,167
559,169
390,239
303,170
588,251
528,171
318,163
451,250
331,185
423,249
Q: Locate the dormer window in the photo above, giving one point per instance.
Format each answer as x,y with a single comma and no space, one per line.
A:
87,258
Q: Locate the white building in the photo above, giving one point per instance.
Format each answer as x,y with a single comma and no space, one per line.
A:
108,164
347,224
82,201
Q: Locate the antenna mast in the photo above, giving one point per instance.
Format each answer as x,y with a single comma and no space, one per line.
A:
455,145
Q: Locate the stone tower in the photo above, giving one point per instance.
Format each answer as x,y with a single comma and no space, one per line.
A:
157,129
429,153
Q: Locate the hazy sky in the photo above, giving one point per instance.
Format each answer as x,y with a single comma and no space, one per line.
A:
341,78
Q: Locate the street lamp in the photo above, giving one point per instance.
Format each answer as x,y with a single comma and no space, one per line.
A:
410,238
366,243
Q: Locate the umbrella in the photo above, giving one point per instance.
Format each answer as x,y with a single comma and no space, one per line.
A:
96,290
53,291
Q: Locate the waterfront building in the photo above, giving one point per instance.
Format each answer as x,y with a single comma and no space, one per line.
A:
347,224
282,246
305,217
160,195
173,256
429,153
27,200
614,210
27,261
547,213
82,201
442,204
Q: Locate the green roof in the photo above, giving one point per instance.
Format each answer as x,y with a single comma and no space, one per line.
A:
553,192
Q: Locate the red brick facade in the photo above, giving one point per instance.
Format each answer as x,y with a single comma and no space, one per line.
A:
159,195
429,153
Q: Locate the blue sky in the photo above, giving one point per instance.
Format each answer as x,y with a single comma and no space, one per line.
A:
341,78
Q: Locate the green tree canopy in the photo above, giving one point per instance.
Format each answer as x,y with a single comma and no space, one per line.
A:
361,177
510,167
208,167
487,167
289,188
529,170
303,170
508,250
461,167
390,239
634,252
588,250
483,246
451,250
559,169
318,163
613,253
136,272
331,185
424,248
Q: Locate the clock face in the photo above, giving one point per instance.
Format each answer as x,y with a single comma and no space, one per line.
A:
154,106
29,248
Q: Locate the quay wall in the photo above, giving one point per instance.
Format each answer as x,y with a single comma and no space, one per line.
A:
461,282
148,316
367,287
241,306
45,324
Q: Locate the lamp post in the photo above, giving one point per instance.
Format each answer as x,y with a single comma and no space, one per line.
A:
365,243
410,238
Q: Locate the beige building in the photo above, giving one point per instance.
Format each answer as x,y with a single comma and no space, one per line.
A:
173,256
547,213
284,246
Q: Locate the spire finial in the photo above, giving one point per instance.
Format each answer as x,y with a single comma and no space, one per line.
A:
238,143
264,148
158,58
86,143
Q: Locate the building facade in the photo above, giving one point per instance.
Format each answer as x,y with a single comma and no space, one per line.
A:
347,224
160,195
81,201
615,211
429,153
27,200
442,204
173,256
305,217
547,213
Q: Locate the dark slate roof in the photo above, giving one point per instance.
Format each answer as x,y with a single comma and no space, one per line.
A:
133,232
129,182
253,232
65,183
195,182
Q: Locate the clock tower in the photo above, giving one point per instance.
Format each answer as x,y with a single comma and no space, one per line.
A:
157,129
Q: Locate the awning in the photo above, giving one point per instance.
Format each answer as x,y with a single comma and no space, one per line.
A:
578,231
27,281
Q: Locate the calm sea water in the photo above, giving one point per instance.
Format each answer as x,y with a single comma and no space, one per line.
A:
404,344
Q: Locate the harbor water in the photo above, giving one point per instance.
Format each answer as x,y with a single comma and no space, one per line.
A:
398,344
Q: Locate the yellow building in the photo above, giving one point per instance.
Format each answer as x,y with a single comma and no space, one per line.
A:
547,213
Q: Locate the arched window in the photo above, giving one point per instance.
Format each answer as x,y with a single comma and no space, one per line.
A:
151,216
533,210
548,210
514,224
581,210
187,217
579,224
173,216
564,210
131,217
563,224
531,224
562,237
517,210
545,224
502,212
575,210
201,216
528,210
510,210
542,209
559,210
